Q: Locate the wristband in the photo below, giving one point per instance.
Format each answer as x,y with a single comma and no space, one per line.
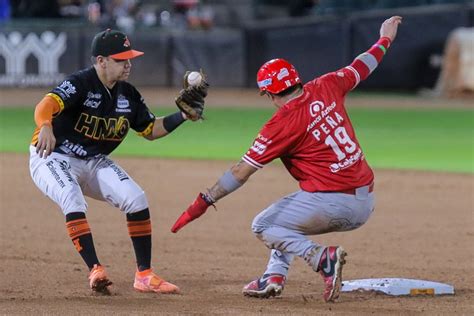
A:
228,182
208,199
172,121
385,42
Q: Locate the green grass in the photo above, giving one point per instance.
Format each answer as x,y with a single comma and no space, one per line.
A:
417,139
440,140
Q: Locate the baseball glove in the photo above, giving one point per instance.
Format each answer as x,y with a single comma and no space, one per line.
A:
191,99
201,87
191,102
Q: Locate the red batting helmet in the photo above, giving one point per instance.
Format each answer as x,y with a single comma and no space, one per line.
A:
276,76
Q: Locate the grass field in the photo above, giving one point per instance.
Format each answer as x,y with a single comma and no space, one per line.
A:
439,140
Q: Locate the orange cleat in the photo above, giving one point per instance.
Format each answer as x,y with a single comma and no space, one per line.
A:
147,281
98,280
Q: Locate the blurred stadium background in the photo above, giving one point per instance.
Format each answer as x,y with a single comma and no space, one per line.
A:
416,111
42,40
430,66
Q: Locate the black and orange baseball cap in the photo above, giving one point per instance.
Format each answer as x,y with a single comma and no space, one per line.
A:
115,44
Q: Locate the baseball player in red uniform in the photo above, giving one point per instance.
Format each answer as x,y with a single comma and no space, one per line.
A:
313,136
79,123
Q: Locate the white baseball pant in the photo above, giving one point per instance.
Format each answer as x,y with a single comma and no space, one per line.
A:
66,180
284,225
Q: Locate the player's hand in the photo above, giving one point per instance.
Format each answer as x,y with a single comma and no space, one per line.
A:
46,141
389,27
196,209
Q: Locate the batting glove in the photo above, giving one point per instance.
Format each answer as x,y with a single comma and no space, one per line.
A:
195,210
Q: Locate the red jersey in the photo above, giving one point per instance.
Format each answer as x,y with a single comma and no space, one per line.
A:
313,136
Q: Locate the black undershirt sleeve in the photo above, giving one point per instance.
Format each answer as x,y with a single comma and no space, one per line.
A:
172,121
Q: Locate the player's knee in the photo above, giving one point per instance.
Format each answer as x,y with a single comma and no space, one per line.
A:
73,203
264,229
135,204
259,225
263,221
265,235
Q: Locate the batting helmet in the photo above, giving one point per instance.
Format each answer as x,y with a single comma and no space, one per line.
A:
276,76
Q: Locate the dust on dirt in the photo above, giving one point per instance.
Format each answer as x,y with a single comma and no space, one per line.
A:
422,228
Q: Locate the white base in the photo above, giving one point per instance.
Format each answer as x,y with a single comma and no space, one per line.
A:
398,286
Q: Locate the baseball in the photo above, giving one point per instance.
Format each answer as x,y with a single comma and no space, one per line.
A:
194,78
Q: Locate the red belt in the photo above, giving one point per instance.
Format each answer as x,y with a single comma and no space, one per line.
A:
353,191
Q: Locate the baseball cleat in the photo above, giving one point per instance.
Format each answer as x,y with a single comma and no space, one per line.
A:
98,280
267,286
330,268
147,281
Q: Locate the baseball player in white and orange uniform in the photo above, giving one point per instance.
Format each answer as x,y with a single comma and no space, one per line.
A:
313,136
79,123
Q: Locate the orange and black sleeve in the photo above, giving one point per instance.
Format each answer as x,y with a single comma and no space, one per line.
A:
49,106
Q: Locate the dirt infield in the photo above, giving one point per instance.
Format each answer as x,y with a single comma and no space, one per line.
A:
422,228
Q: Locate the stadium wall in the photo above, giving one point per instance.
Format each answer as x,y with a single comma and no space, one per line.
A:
41,53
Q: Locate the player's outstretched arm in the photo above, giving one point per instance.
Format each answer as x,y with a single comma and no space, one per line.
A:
364,64
230,181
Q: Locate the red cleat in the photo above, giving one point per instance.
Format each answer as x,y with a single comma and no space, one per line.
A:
330,268
267,286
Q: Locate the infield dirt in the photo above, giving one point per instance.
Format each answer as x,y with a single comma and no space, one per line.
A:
422,228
